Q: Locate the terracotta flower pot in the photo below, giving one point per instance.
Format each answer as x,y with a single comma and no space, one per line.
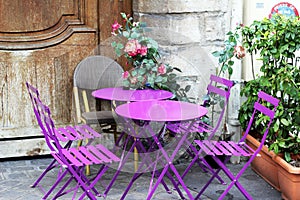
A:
289,179
276,171
264,164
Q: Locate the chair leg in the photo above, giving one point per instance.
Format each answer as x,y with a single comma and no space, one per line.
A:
81,183
50,166
62,189
234,179
55,184
211,170
121,164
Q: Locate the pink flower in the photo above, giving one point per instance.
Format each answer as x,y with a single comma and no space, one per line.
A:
239,52
115,26
125,74
132,47
161,69
142,50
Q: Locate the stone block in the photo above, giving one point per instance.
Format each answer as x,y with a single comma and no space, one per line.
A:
214,28
180,29
146,6
180,6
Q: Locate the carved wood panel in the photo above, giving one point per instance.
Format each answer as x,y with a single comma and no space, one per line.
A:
41,42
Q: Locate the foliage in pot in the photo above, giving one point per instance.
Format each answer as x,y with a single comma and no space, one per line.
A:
275,40
147,69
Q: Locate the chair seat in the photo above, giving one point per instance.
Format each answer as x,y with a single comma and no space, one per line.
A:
98,117
80,132
179,127
228,148
86,155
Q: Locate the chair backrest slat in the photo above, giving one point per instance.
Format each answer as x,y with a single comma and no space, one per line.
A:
267,105
217,90
47,125
264,110
221,80
33,93
268,98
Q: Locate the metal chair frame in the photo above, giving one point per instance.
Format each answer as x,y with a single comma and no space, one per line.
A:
218,86
266,105
73,160
65,135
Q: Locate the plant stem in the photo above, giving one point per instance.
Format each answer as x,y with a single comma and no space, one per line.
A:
252,65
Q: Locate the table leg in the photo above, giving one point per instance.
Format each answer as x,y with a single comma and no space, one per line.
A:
136,158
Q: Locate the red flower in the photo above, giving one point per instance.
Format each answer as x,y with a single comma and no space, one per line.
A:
239,52
132,47
115,26
161,69
125,74
142,50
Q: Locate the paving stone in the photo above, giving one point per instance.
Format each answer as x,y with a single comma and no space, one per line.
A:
15,185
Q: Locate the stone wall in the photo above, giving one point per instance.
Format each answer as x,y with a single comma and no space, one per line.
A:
188,31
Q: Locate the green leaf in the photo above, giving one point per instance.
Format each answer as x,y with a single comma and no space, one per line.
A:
187,88
230,71
230,62
135,35
113,44
216,53
120,46
287,156
126,34
276,125
285,122
281,144
158,79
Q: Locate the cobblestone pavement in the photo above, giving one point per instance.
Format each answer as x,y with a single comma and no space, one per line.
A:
17,176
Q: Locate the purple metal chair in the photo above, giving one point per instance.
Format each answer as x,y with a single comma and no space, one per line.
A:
265,105
218,93
66,134
73,160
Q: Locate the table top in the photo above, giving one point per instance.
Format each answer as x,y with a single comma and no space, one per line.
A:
161,110
119,94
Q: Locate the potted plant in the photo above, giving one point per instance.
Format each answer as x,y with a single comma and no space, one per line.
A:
274,40
142,54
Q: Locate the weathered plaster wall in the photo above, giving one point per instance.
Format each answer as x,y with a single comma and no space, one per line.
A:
189,30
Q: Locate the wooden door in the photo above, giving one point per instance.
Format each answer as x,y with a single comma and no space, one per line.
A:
41,42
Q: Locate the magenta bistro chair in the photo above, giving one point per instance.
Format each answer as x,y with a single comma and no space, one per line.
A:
73,160
216,100
265,105
66,134
218,93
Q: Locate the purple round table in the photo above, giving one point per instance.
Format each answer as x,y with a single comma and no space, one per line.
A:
166,111
119,94
161,111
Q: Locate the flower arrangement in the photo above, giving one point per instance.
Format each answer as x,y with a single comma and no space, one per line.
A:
141,52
